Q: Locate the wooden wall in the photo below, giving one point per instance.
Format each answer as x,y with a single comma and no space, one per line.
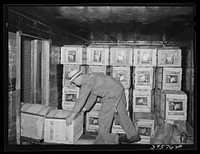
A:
17,22
11,88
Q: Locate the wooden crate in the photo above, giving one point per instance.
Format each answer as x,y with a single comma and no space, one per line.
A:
168,78
144,57
101,69
73,54
143,115
122,74
121,56
145,128
69,68
171,104
32,120
97,55
57,131
144,78
69,98
143,100
169,57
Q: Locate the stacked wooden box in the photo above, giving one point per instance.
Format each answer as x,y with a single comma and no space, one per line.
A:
117,64
144,64
72,57
97,61
121,61
57,131
32,120
170,102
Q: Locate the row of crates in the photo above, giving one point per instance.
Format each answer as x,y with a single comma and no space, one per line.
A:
121,56
141,78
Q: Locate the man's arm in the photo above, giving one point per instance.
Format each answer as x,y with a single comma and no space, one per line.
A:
83,95
90,101
84,92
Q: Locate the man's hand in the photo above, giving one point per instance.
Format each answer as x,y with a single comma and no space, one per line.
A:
70,118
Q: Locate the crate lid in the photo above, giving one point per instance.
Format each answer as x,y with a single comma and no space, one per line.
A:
173,92
121,46
58,113
74,46
35,109
98,46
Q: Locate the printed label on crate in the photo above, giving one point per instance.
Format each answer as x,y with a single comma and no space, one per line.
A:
123,75
121,56
144,57
172,78
70,95
97,56
176,108
145,128
92,121
143,78
69,98
169,57
72,55
141,101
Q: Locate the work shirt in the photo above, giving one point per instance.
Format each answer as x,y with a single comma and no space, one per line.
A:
97,84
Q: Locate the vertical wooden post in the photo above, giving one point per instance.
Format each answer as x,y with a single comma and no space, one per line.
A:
35,67
45,71
32,73
18,86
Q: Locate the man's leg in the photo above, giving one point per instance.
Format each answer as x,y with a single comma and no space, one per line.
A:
124,120
106,115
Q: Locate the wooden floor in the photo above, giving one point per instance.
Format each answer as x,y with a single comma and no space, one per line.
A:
89,138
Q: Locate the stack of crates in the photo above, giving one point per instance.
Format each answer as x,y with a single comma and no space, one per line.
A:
97,61
72,57
170,102
121,63
144,64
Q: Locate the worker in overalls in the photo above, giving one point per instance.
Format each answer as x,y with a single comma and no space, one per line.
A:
113,100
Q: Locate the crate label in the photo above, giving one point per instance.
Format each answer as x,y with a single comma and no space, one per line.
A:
97,56
143,78
121,56
144,57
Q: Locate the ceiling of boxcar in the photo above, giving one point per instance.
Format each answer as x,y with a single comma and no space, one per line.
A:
124,22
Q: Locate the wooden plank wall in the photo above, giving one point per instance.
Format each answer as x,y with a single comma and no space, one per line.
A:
54,61
12,88
17,22
188,79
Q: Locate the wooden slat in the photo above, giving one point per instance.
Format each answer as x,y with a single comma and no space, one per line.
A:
18,86
45,71
32,73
